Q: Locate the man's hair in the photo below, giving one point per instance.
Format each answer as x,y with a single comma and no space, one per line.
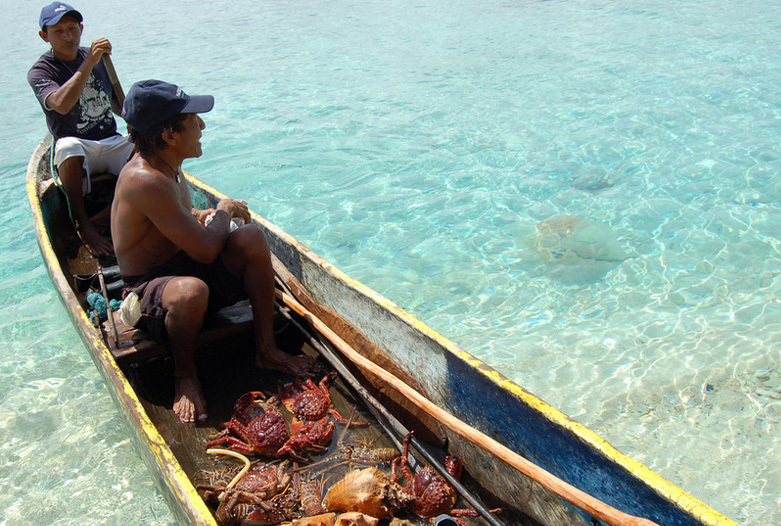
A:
151,140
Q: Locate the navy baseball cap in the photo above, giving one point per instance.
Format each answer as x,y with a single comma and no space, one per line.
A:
151,102
52,13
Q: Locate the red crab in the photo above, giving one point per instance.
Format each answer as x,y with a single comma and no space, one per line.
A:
433,494
262,482
310,405
237,509
259,497
309,401
308,435
258,427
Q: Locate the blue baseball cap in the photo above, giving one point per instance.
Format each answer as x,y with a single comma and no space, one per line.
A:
52,13
151,102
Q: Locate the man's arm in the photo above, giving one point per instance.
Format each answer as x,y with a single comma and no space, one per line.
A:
66,96
157,199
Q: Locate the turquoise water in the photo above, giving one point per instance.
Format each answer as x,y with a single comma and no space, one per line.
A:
583,194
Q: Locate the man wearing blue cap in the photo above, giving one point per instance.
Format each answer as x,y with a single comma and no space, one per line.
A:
74,90
181,265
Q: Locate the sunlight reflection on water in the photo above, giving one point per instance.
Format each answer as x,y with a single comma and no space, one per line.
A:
419,154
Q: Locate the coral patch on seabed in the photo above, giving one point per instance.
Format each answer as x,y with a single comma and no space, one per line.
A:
588,250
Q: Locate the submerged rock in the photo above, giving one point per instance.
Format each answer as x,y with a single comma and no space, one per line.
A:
593,182
568,236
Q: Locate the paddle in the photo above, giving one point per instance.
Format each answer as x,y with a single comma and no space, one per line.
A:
119,94
115,85
571,494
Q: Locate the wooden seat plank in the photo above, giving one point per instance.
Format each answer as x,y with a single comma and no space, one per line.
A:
136,345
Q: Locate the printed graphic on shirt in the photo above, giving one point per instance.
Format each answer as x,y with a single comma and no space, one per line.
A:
95,108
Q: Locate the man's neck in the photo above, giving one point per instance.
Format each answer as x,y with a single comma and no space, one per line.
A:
166,163
66,58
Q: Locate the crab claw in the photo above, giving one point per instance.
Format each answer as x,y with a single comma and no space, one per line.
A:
247,399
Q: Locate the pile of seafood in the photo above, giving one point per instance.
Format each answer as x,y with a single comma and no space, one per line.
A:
292,480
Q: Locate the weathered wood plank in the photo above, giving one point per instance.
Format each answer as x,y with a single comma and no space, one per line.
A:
136,346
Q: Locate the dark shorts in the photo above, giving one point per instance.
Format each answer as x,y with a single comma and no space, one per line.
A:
224,289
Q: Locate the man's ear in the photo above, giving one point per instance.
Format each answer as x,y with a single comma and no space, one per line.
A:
169,137
44,36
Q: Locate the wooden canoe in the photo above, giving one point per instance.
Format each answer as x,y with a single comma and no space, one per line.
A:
134,371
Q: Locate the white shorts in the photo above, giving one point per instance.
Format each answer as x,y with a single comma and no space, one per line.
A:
104,156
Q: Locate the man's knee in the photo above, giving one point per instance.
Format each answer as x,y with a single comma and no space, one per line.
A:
249,239
186,295
68,150
71,171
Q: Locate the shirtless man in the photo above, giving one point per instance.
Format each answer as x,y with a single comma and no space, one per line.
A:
180,268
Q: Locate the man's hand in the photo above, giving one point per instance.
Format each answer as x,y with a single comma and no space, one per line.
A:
201,215
235,208
98,245
99,48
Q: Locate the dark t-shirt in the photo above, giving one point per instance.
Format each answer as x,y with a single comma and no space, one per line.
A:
91,117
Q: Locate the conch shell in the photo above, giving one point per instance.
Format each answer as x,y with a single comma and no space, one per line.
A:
368,491
326,519
354,518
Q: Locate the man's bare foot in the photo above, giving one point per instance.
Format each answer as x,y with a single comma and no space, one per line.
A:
104,216
300,365
98,245
188,399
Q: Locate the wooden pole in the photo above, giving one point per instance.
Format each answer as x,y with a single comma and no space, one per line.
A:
571,494
115,85
109,314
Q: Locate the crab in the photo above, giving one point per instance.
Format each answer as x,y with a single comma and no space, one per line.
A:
310,404
308,435
433,494
256,427
309,401
261,482
237,510
260,496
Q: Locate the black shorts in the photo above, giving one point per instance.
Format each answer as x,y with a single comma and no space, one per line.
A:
225,289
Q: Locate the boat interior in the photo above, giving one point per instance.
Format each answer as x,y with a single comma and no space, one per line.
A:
225,358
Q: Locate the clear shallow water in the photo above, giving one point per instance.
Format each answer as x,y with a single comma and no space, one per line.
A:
417,147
